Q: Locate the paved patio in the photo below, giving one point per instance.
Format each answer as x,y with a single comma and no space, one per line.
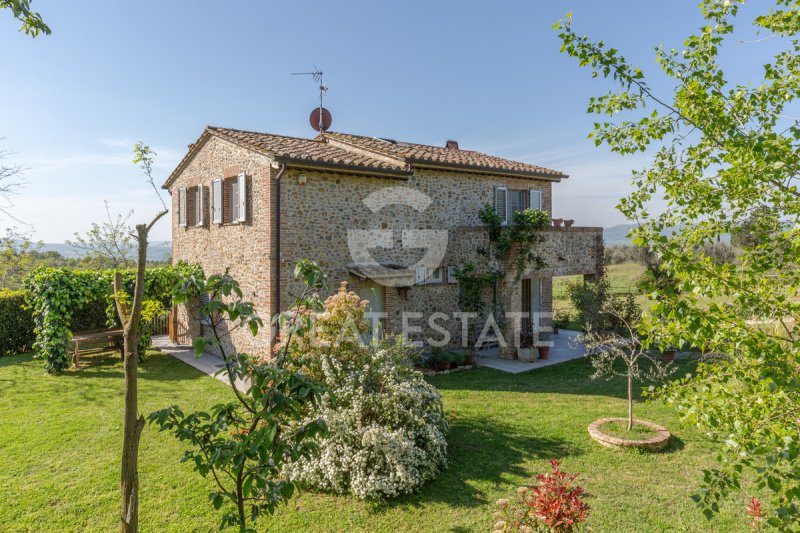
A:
565,348
206,363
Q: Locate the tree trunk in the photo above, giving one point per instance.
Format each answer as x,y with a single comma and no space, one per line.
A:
134,422
630,399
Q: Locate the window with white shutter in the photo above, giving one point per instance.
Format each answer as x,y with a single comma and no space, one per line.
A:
421,274
182,207
242,197
233,200
216,201
198,206
501,203
536,199
517,201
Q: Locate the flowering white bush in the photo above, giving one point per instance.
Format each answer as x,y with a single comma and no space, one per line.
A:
386,427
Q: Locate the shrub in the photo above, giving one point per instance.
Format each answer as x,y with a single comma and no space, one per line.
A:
386,424
588,299
16,323
386,427
552,504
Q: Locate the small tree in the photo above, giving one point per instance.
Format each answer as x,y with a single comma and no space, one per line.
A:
110,240
16,259
244,443
605,347
130,314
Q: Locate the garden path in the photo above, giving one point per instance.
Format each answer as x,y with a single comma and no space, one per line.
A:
206,363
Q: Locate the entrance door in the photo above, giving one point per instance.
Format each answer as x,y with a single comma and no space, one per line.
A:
531,302
375,294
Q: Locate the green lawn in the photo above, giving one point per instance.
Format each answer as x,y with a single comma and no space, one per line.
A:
60,438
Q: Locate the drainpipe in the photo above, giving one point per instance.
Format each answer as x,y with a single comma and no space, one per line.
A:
276,292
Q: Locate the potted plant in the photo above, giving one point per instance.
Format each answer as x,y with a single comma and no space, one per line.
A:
527,352
544,345
557,222
668,355
440,360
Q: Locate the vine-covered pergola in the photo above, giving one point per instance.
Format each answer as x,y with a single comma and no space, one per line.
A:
61,299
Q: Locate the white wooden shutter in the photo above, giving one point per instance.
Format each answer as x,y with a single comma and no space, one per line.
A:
536,199
501,203
182,207
421,275
242,197
216,201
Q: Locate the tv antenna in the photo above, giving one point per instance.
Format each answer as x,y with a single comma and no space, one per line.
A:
320,118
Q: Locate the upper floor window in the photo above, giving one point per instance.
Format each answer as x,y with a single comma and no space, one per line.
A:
190,206
509,201
229,200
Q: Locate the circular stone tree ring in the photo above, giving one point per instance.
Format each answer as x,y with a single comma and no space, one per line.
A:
654,443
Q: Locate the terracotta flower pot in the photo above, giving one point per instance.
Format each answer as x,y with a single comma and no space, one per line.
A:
557,222
568,223
544,352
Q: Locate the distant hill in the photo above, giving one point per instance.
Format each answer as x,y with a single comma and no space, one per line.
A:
156,251
616,235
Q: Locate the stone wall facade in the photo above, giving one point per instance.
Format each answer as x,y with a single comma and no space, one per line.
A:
304,213
242,248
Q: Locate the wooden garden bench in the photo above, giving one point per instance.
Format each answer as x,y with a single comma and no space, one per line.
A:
98,340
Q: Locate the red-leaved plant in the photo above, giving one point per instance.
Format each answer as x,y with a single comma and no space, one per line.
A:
552,504
755,512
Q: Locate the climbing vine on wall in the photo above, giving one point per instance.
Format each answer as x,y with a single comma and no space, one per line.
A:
514,244
520,237
472,285
55,295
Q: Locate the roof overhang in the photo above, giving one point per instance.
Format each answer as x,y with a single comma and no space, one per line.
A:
342,168
492,171
389,275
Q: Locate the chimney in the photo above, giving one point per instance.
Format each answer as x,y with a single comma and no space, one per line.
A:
451,145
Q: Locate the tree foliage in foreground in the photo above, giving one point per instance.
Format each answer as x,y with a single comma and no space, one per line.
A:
244,443
726,154
32,23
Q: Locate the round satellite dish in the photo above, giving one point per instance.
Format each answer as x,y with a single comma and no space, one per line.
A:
326,119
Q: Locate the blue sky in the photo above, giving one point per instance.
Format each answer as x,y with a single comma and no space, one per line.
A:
488,74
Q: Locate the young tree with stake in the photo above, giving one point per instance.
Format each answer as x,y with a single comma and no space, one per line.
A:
130,316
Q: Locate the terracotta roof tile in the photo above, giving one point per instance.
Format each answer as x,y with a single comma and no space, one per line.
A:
311,150
422,153
365,154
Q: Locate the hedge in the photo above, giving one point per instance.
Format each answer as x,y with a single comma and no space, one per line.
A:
66,300
16,323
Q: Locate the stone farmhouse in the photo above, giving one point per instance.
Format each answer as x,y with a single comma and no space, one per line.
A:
393,219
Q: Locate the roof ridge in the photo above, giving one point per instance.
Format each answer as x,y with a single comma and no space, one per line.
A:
223,129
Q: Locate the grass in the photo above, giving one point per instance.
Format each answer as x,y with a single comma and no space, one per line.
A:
60,441
620,430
